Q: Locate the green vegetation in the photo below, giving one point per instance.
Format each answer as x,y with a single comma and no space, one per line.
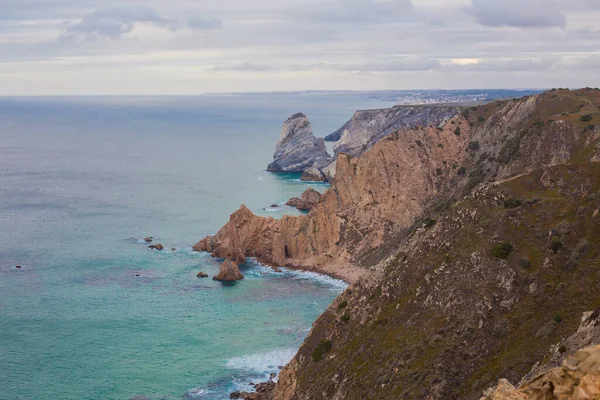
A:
343,305
512,203
429,223
586,118
462,171
457,131
345,318
481,119
502,250
439,171
557,318
321,349
525,263
556,244
473,146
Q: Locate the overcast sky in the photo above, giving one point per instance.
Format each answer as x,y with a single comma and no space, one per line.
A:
199,46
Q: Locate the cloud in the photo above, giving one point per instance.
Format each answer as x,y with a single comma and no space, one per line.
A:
504,65
200,23
407,64
356,11
518,13
114,22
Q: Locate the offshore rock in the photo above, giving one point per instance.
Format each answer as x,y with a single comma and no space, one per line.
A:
158,247
229,272
298,149
307,202
368,127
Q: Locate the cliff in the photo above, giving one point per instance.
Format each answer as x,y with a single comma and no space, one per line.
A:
499,268
473,248
373,197
367,127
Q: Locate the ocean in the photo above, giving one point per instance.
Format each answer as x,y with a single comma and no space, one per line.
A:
93,313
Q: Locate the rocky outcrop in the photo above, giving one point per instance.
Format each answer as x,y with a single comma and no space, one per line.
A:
307,202
570,372
368,127
577,379
373,197
158,247
298,149
229,272
202,275
313,174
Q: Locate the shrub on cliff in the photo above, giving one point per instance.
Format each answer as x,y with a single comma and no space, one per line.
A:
321,349
512,203
586,118
502,250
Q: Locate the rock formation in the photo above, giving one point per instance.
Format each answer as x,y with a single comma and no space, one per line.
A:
368,127
462,288
577,379
374,196
202,275
297,149
158,247
229,272
313,174
307,201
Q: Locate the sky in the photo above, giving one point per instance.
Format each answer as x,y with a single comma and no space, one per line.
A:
73,47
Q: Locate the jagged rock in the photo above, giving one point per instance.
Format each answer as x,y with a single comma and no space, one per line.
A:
577,379
297,148
148,239
158,247
307,202
368,127
202,275
229,272
313,174
264,391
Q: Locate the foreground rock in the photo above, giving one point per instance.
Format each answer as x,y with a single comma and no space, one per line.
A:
229,272
577,379
307,201
298,149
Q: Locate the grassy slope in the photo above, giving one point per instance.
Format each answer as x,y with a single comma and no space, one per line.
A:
448,319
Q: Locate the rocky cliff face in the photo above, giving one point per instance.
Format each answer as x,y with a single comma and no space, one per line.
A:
297,148
499,267
373,198
367,127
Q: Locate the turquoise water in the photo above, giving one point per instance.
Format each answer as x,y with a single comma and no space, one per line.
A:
93,313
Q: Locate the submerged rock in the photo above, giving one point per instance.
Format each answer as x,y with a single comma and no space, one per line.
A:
298,149
229,272
158,247
307,202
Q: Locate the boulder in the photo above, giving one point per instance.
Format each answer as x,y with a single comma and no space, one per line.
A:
298,149
307,202
18,267
202,275
158,247
313,174
229,272
148,240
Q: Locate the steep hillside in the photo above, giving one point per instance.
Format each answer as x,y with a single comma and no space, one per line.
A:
500,266
478,293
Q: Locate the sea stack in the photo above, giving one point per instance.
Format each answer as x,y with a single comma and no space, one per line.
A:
229,272
298,149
